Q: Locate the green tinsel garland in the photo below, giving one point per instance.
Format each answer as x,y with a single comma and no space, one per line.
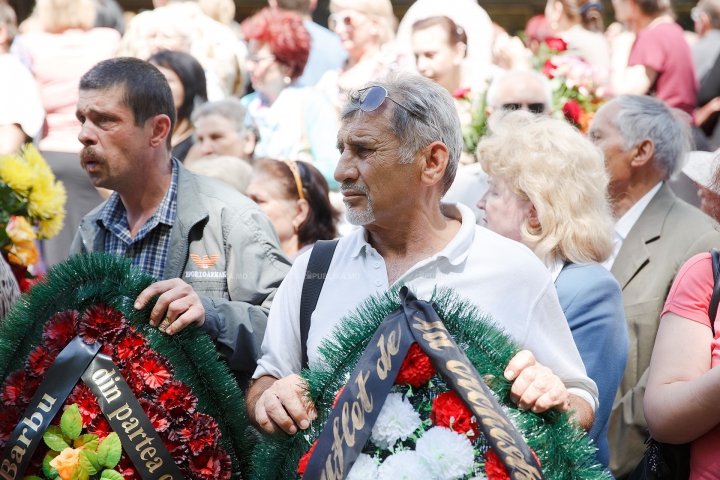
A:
86,280
563,448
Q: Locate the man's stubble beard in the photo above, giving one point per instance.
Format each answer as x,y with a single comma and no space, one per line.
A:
354,217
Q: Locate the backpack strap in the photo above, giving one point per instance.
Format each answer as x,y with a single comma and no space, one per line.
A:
320,258
715,300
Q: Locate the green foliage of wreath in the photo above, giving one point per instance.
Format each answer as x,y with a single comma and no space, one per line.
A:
86,280
562,447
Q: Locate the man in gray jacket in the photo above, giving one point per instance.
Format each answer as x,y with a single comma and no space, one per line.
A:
216,253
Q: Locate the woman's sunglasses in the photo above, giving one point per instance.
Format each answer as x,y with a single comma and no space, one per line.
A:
372,97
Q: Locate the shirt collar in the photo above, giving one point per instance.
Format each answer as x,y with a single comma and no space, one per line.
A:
456,251
628,220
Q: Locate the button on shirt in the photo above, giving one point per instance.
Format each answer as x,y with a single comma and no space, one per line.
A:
148,250
627,222
501,277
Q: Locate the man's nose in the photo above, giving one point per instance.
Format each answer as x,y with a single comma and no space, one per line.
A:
86,136
345,169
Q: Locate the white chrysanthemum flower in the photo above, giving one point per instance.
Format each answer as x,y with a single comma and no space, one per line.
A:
364,468
397,420
448,455
405,465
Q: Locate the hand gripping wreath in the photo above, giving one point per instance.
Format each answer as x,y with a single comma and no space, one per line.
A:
76,342
401,393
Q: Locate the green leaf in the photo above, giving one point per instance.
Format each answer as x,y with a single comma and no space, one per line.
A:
49,471
79,473
111,475
87,442
109,451
71,422
54,439
32,477
88,460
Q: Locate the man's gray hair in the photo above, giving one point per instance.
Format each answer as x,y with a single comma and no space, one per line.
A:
644,117
436,120
503,76
230,108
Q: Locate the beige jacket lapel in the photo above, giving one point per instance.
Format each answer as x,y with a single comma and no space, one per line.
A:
634,254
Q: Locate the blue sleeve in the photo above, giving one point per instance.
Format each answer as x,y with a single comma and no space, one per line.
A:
594,310
322,129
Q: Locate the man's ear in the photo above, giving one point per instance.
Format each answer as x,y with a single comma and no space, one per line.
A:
643,153
489,111
250,143
160,129
434,163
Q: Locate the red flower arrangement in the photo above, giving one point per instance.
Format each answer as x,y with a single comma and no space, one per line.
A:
495,469
557,44
302,464
450,412
572,111
191,437
416,369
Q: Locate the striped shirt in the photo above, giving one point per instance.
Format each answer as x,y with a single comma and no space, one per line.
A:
148,250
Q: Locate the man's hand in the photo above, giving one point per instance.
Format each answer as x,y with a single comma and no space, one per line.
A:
536,387
177,307
282,404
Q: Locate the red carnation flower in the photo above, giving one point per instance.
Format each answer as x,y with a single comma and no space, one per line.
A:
450,412
416,369
337,395
100,427
557,44
9,418
174,444
12,388
548,68
39,361
87,403
153,370
132,378
60,329
29,389
127,469
572,111
495,469
460,92
302,464
200,431
178,400
129,345
100,323
211,463
156,414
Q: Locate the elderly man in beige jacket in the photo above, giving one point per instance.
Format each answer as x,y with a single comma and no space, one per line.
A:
644,142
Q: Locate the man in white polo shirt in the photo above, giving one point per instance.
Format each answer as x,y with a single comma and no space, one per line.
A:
393,188
644,143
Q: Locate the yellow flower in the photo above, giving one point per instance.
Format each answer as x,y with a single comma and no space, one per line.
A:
50,228
46,200
16,173
65,462
22,251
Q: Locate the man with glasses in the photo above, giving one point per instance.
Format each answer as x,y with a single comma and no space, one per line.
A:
400,143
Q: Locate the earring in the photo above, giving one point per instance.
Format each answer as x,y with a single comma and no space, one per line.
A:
287,80
554,25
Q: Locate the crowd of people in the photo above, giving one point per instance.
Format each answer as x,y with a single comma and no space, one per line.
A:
437,151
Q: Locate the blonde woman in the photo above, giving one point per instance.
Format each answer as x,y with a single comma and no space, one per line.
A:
547,190
58,54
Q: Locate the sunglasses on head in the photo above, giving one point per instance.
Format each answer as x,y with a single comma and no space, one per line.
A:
372,97
531,107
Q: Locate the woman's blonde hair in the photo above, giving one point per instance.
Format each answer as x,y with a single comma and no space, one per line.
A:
380,10
563,174
56,16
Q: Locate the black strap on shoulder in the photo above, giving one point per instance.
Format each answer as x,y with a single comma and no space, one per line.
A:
320,258
715,300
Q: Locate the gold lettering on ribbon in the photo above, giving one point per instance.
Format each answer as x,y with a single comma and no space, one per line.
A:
437,339
499,426
384,363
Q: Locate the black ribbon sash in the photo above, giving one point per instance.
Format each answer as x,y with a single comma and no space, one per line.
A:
78,359
360,402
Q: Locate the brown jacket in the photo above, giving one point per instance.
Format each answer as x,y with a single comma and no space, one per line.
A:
665,236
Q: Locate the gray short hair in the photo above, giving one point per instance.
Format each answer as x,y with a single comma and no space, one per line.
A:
438,120
508,75
230,108
644,117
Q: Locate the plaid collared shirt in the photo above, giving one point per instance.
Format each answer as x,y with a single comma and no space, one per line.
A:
148,250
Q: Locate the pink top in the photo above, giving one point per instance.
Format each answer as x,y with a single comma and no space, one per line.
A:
689,298
58,61
664,49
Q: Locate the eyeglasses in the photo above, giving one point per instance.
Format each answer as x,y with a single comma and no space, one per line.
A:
536,108
294,168
695,14
372,97
336,19
257,59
